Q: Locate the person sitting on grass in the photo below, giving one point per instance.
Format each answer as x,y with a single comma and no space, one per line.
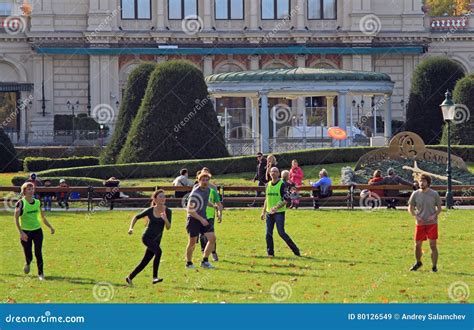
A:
392,179
63,196
47,196
323,188
425,206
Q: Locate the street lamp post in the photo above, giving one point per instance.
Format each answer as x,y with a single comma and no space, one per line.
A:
448,108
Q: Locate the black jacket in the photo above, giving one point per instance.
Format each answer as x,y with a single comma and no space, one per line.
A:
260,175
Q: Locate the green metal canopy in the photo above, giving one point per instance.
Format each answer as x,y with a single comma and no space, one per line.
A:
297,74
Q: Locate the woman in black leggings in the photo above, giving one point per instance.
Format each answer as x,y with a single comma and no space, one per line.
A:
159,217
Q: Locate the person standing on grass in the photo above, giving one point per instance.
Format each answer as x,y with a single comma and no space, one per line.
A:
214,206
260,175
271,163
28,217
197,222
425,206
273,212
159,217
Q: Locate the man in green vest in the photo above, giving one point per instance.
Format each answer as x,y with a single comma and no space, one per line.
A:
274,212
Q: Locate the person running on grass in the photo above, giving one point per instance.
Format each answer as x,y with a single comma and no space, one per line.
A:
214,206
28,217
425,206
197,222
159,217
274,212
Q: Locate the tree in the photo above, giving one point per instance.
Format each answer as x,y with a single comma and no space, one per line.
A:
9,160
431,79
131,100
176,119
463,126
448,7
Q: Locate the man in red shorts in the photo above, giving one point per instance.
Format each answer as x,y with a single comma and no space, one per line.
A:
425,206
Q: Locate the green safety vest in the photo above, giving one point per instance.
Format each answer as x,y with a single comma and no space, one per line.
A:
274,197
31,217
213,198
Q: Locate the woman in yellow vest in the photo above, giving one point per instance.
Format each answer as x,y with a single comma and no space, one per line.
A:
274,212
28,217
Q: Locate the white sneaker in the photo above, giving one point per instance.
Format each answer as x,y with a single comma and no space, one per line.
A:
207,265
41,277
26,269
191,266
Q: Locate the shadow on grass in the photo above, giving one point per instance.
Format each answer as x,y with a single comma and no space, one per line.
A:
266,272
273,265
73,280
216,290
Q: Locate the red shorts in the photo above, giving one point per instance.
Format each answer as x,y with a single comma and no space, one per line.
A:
424,232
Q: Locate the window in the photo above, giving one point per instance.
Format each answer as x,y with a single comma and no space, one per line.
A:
321,9
229,9
180,9
6,9
275,9
136,9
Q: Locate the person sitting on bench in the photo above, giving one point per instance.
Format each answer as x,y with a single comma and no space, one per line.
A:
323,188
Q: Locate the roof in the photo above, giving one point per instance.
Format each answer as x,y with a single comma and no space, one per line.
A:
297,74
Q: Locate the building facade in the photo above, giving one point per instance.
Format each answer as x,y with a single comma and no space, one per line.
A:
61,57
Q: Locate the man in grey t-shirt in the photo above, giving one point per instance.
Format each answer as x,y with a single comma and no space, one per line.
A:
197,222
425,206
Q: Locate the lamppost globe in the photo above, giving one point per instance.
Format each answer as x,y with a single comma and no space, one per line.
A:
448,108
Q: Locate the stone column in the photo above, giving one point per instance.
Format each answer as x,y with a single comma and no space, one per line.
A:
330,111
342,113
254,62
207,19
254,14
388,118
264,124
255,121
207,66
300,12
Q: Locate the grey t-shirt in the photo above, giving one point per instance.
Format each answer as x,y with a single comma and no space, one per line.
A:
199,199
425,205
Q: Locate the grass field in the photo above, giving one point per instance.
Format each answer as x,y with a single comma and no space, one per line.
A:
348,256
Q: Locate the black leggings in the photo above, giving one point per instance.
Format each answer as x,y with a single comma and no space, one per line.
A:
153,249
36,237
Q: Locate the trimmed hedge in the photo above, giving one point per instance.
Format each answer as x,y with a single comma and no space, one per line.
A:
58,152
9,158
35,164
71,181
231,164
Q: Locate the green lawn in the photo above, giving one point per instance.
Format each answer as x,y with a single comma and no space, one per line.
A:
349,256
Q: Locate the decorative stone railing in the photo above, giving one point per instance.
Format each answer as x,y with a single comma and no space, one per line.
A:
448,23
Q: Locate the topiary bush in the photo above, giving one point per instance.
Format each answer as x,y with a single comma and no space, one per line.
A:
462,129
176,119
8,159
58,151
431,79
34,164
230,164
135,90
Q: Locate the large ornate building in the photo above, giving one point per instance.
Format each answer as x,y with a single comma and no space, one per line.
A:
74,56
